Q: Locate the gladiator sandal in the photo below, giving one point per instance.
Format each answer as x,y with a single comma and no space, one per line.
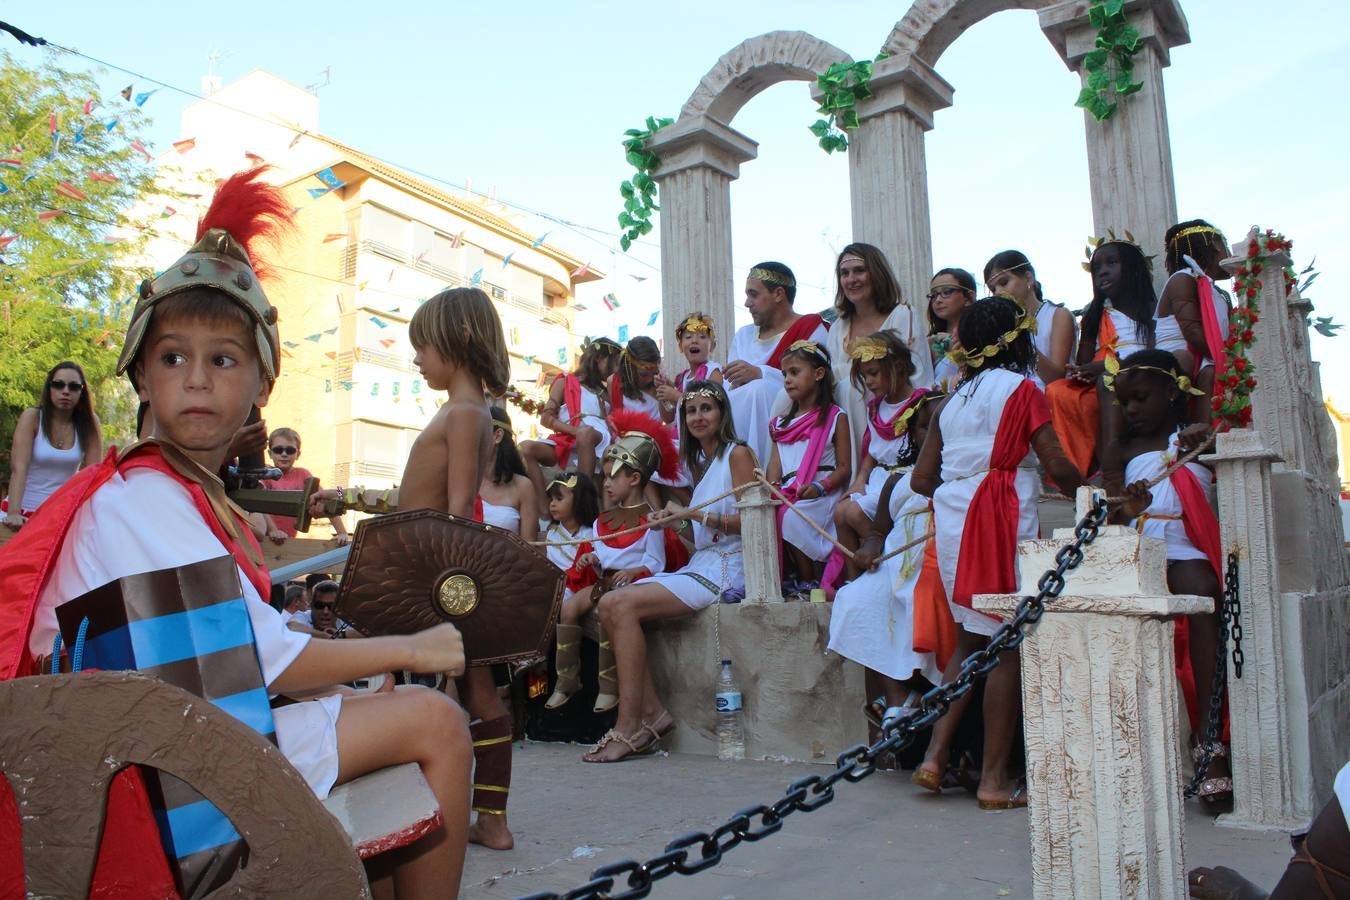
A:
608,698
491,765
567,660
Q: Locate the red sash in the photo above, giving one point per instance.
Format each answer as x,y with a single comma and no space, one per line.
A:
577,577
562,441
800,330
988,559
1215,331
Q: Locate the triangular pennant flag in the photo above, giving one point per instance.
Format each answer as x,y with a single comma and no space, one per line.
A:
623,334
529,360
329,179
79,134
52,124
11,163
378,322
362,285
185,145
387,342
654,316
611,302
140,148
457,241
335,236
332,330
507,260
89,105
581,270
562,356
285,352
315,193
4,188
109,241
66,189
49,215
167,212
126,91
331,355
291,344
104,177
375,389
253,157
539,240
6,240
476,278
144,96
328,385
346,385
110,125
313,337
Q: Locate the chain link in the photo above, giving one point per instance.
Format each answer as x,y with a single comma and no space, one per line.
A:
1229,610
854,764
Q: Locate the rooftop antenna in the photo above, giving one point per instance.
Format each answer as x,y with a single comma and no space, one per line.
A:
327,80
211,81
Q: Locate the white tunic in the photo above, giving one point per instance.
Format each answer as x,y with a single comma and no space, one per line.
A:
753,403
820,510
1162,519
111,537
883,447
905,322
716,564
592,414
872,622
563,557
504,517
969,422
648,550
1045,324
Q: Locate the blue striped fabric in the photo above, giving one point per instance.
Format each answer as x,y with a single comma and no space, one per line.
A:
194,827
195,632
250,707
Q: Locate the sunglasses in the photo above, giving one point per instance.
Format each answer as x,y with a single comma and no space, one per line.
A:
945,291
319,604
285,451
73,386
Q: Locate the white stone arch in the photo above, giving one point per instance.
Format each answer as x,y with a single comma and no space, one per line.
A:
700,157
1129,155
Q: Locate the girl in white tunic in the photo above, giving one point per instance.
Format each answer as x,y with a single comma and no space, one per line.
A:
508,497
882,366
872,622
1194,259
1011,273
809,459
983,504
868,299
709,447
572,508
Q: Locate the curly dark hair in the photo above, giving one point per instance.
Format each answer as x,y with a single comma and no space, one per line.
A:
1207,249
1160,359
985,321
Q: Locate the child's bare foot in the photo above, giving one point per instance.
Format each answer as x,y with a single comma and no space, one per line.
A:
491,831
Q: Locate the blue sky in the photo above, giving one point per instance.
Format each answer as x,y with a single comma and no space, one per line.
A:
531,99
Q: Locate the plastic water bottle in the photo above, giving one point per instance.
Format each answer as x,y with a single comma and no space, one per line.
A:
730,726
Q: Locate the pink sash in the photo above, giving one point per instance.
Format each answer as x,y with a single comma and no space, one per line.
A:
885,426
803,428
688,375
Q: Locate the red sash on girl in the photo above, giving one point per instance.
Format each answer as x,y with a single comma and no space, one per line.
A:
1215,332
688,375
988,559
576,576
800,330
817,433
885,426
1074,406
1202,530
934,627
562,441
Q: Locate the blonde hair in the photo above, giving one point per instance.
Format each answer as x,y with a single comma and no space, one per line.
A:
285,432
461,324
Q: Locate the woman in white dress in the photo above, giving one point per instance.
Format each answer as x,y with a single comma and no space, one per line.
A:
950,292
1011,273
719,463
508,497
868,300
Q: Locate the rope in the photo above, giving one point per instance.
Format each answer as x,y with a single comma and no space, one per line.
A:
759,474
1167,473
636,528
910,546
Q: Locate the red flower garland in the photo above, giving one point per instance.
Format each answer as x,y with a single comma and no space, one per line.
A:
1232,403
528,404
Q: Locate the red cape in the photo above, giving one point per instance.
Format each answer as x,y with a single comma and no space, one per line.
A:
800,330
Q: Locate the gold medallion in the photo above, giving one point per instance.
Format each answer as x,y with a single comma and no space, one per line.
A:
457,595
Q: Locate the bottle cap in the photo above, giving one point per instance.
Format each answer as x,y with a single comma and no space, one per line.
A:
817,595
726,662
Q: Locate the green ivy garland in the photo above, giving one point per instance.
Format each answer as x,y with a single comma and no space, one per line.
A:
639,194
842,85
1111,64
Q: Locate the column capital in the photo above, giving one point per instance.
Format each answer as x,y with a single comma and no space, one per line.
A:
1241,444
903,82
1161,23
701,141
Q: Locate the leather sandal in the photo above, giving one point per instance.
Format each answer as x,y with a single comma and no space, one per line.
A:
635,748
661,726
929,781
1016,800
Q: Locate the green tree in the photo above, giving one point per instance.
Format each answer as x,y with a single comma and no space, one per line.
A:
63,292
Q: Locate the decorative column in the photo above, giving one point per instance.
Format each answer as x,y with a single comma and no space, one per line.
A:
700,157
888,169
759,543
1129,154
1268,706
1099,694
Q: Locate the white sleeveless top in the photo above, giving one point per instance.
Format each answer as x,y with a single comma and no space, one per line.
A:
49,468
504,517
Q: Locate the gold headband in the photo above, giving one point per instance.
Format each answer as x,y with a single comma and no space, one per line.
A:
869,349
849,256
976,359
810,347
1114,370
504,426
902,423
1196,229
569,482
630,360
701,392
990,280
694,325
1096,243
769,276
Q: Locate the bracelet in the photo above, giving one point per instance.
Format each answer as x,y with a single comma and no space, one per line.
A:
705,518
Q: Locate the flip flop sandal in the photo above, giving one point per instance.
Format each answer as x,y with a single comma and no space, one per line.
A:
927,780
873,710
610,737
1016,800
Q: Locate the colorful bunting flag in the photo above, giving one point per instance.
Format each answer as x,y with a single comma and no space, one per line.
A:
144,96
457,241
109,241
109,125
4,188
611,302
315,193
346,385
167,212
387,342
185,145
562,356
52,124
623,334
417,386
362,285
375,389
578,272
89,105
291,344
6,240
529,360
328,385
329,179
126,91
313,337
477,278
140,148
66,189
506,261
394,389
49,215
105,177
539,240
654,316
11,163
332,330
285,352
253,157
331,355
334,236
79,133
378,322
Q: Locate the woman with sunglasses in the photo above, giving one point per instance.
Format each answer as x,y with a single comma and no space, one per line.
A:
950,292
284,448
52,442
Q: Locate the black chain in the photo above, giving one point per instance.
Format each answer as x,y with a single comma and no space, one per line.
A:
701,850
1228,610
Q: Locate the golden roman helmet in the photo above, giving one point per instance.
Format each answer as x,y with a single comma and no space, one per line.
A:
219,261
633,449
